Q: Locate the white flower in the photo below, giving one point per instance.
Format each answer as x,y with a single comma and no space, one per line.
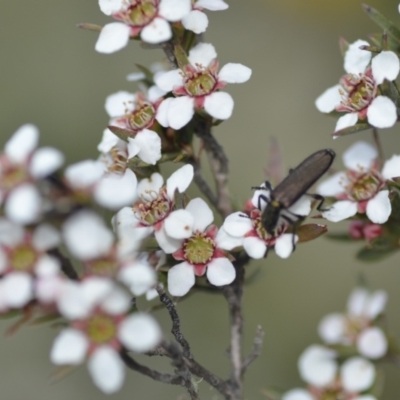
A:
248,231
150,19
99,331
198,248
21,169
154,207
197,87
356,326
357,92
361,187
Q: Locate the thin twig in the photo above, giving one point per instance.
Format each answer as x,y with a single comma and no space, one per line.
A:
256,350
176,323
218,161
66,265
378,145
203,185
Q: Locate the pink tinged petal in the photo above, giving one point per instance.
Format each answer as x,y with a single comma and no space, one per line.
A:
109,7
86,235
340,211
48,288
234,73
376,304
346,121
391,169
355,59
113,37
203,54
329,100
382,112
139,277
47,266
379,208
357,374
284,245
220,271
95,289
106,369
152,184
84,174
385,65
334,185
45,161
202,213
69,347
158,31
180,111
149,144
317,365
23,204
372,343
162,112
180,279
17,288
140,332
117,104
331,329
169,80
298,394
360,155
179,180
212,5
154,93
357,301
167,243
108,141
254,247
196,21
71,301
45,237
174,10
226,241
117,302
219,105
115,191
22,143
179,224
302,206
237,224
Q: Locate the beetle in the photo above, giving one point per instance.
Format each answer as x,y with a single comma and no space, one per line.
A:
295,185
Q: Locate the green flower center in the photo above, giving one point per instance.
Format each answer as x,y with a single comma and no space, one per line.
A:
365,187
142,117
12,177
23,258
102,267
101,329
142,12
199,249
151,212
201,84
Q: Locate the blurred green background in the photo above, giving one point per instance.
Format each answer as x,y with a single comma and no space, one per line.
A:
51,76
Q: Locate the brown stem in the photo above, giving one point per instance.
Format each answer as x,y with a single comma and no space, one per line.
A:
203,185
256,350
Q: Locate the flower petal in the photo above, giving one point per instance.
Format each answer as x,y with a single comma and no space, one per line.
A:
346,121
284,245
360,156
139,277
179,224
45,161
196,21
180,279
174,10
169,80
179,180
180,111
355,59
113,37
234,73
298,394
117,104
140,332
168,244
382,112
385,65
219,105
379,208
84,174
329,100
220,271
331,329
334,185
202,54
340,211
358,374
17,289
45,237
376,304
254,247
391,169
226,241
372,343
69,347
202,213
106,369
22,143
212,5
238,224
157,31
110,7
162,112
150,146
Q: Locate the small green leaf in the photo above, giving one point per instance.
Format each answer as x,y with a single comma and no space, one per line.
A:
341,237
378,40
147,73
309,232
351,129
382,21
44,319
376,250
181,57
123,134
